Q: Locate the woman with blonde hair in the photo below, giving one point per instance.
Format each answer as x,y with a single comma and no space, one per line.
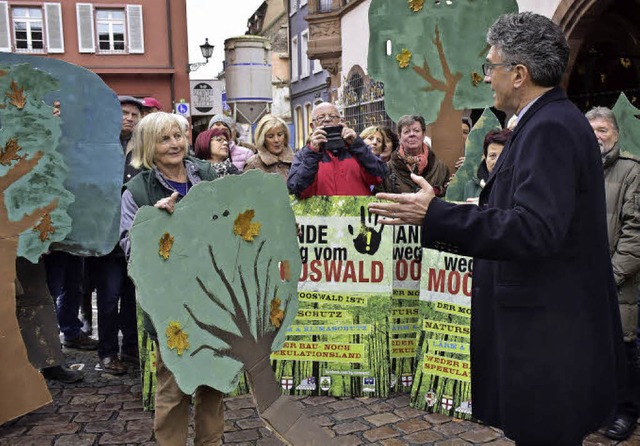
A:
160,147
272,141
376,138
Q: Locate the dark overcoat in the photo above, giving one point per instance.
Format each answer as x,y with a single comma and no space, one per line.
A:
545,327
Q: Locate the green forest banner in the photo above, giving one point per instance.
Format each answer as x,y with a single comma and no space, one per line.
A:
339,343
443,374
405,313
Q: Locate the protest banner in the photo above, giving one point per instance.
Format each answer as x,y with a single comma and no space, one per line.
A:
338,344
442,382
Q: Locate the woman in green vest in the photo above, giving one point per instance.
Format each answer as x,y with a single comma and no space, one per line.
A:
160,148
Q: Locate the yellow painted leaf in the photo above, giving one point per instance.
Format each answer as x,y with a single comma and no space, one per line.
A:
177,338
44,227
17,96
416,5
404,58
244,227
476,79
277,315
166,243
9,153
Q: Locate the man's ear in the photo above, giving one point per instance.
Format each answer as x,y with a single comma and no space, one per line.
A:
521,74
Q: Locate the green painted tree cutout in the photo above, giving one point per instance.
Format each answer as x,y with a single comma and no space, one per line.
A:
225,291
33,204
472,155
434,69
628,117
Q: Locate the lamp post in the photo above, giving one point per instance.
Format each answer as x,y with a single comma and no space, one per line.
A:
207,51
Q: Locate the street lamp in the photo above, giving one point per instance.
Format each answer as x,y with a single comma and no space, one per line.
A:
207,51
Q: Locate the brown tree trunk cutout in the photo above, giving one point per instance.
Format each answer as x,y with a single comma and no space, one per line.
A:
446,133
22,387
283,415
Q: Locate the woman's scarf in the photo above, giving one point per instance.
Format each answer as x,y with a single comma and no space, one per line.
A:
415,163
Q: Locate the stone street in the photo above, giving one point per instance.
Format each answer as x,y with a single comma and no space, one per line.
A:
106,410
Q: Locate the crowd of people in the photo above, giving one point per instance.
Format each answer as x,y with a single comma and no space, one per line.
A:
536,223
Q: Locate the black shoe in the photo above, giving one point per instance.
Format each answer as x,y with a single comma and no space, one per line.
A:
621,427
62,374
82,342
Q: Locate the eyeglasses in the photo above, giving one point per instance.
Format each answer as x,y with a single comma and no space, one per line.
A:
219,139
487,68
322,118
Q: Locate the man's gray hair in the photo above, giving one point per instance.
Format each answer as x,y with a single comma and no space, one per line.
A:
603,113
533,41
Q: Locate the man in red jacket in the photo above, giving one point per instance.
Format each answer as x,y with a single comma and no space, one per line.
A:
343,166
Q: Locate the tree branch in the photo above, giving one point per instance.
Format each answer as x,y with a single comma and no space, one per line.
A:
221,353
14,228
260,317
18,170
245,293
450,78
223,335
213,298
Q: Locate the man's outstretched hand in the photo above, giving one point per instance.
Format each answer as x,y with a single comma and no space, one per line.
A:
404,209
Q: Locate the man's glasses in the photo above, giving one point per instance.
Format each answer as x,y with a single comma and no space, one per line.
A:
487,68
322,118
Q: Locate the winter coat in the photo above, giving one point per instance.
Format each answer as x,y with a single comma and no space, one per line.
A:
270,163
239,155
622,187
546,341
399,179
351,171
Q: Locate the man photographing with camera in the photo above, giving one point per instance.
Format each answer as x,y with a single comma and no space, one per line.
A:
335,161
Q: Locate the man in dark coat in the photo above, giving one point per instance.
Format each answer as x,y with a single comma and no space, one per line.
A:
545,326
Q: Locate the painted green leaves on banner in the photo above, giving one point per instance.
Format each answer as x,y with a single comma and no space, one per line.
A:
627,116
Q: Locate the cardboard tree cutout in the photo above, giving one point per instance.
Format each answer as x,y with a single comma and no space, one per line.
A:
434,69
472,155
89,127
219,279
33,206
627,116
41,168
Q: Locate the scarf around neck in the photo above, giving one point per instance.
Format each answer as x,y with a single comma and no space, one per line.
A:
415,163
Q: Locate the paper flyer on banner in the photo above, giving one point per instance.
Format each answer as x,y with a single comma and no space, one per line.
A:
442,380
339,343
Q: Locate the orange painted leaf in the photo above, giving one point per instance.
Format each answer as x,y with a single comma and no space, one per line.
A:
277,315
404,58
476,79
44,227
244,227
166,243
416,5
9,153
17,96
285,270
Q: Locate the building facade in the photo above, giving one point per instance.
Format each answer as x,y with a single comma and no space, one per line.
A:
138,48
309,84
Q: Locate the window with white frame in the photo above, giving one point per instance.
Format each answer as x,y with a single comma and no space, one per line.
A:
28,31
308,120
302,3
317,66
110,24
293,6
110,30
301,135
295,69
304,59
31,29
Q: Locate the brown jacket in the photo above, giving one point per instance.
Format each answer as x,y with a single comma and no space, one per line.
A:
270,163
622,188
399,179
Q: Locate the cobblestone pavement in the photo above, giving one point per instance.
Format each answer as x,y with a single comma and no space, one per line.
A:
105,410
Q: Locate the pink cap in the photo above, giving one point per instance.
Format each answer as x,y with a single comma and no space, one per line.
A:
152,102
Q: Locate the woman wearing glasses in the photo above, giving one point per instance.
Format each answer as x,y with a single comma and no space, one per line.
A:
213,146
272,141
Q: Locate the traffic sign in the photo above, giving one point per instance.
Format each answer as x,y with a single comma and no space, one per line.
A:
183,109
